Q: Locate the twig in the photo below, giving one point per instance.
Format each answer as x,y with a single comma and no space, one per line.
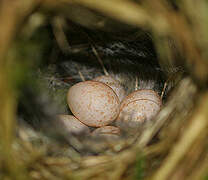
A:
164,88
81,75
100,61
136,83
60,35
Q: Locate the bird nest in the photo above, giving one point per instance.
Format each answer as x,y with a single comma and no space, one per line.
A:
52,45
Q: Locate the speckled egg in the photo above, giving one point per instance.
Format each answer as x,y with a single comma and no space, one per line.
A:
72,124
138,107
93,103
107,132
142,94
114,84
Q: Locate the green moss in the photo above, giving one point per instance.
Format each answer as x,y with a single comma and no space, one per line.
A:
140,167
206,176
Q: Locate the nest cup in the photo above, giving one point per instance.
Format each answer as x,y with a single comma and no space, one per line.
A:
126,67
78,51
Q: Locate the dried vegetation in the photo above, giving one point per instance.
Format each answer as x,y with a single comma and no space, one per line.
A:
173,146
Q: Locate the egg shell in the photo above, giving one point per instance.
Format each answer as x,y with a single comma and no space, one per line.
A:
93,103
142,94
114,84
72,124
137,112
107,131
138,107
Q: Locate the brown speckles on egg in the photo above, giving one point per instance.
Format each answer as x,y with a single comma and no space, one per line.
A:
140,106
142,94
109,100
93,103
114,84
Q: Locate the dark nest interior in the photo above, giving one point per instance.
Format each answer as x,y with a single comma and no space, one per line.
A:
48,46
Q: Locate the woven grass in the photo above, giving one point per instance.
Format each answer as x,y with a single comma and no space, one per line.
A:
172,146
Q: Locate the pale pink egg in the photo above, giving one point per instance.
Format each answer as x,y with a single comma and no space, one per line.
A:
114,84
72,124
93,103
145,94
138,107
